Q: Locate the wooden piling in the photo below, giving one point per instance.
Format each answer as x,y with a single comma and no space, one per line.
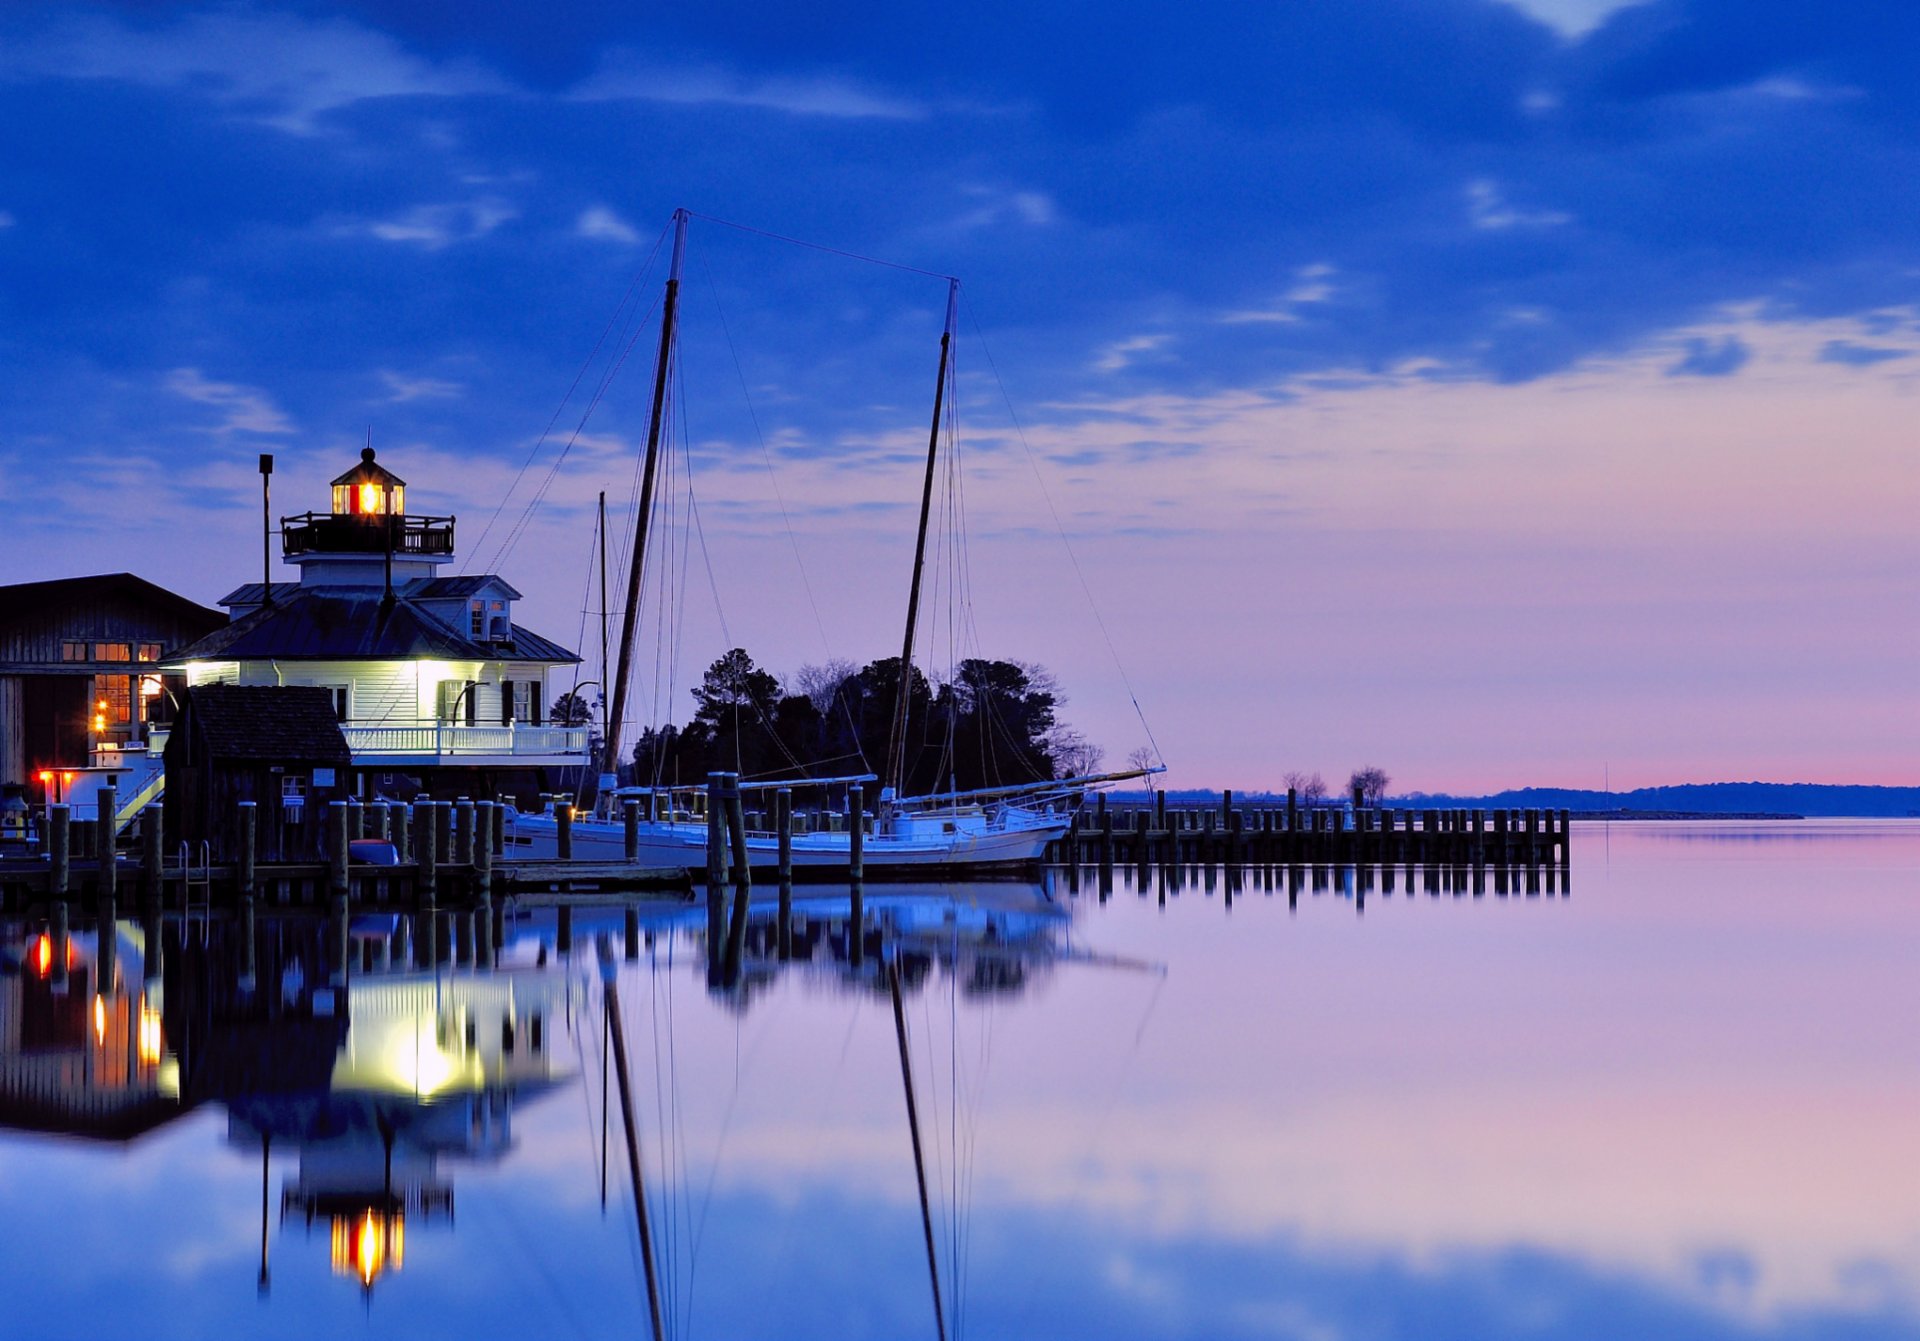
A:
426,846
563,830
108,854
716,831
152,856
247,830
856,834
630,827
398,831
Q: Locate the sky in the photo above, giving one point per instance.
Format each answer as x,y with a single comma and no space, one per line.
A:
1498,393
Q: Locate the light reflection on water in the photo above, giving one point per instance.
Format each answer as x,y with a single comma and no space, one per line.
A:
1677,1101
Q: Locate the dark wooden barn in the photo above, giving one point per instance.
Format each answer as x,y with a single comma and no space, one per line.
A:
278,746
79,665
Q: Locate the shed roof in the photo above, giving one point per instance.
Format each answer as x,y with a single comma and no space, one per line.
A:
31,597
268,722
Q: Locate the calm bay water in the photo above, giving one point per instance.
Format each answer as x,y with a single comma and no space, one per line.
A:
1682,1100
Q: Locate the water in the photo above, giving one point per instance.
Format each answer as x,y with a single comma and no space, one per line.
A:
1680,1101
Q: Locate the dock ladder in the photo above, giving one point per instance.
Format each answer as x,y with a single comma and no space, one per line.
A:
196,882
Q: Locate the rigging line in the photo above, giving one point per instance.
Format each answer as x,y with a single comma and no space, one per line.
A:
819,246
1074,559
560,409
553,471
773,479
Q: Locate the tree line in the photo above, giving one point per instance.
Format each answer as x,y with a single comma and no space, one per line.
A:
993,723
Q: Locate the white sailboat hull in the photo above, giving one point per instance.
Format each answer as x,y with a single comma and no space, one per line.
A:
683,846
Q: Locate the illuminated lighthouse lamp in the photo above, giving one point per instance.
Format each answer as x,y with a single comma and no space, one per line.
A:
364,490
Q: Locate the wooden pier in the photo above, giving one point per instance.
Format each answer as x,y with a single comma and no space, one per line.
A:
436,854
1292,834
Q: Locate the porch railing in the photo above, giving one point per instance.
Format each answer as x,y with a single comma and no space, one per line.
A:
457,738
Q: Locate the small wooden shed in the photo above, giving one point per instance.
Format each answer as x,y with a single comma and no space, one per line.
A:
279,746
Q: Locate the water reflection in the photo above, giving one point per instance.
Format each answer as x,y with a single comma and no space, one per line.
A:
1230,1102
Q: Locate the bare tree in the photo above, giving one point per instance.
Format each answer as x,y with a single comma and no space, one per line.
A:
1371,782
1311,787
821,683
1073,754
1141,757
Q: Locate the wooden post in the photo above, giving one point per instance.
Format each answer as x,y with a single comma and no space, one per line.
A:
109,850
152,856
563,829
246,815
339,885
356,818
337,838
737,832
59,851
1293,810
426,852
630,825
716,833
397,831
856,834
783,829
483,856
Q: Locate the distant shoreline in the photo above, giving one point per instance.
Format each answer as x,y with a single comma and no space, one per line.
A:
1691,801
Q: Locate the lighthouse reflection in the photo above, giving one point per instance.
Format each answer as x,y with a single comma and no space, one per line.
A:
375,1092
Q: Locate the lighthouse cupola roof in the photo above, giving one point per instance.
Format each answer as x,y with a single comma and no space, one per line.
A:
369,490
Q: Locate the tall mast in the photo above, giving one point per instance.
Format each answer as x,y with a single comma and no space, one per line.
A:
893,775
919,1159
611,764
602,532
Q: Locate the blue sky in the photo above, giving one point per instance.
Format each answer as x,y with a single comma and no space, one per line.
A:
234,228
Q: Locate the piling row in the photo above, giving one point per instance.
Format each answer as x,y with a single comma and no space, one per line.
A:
1229,834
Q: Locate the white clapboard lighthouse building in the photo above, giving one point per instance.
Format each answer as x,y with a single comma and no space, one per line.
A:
433,682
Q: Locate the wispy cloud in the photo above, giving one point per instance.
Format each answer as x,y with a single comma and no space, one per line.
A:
624,76
283,70
1123,353
401,389
436,226
246,409
1312,284
1487,208
603,224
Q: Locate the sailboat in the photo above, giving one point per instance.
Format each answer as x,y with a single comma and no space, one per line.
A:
980,830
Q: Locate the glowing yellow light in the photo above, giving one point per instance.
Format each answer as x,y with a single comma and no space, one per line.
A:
369,498
99,721
43,956
149,686
149,1035
46,775
367,1246
99,1019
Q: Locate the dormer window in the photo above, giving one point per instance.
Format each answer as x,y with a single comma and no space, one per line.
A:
487,622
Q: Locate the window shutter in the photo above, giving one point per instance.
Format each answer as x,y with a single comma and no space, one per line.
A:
535,711
473,704
506,703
